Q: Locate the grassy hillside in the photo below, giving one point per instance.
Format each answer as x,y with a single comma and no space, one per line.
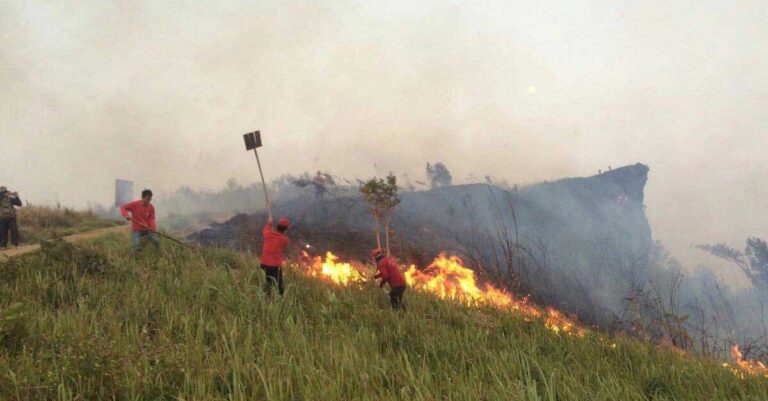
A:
39,223
96,322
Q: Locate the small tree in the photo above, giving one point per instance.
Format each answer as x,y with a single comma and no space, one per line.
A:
753,261
382,197
438,175
232,185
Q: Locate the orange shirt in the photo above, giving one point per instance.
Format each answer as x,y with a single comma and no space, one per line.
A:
141,215
273,252
389,272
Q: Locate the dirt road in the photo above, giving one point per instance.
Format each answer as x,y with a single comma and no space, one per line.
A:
24,249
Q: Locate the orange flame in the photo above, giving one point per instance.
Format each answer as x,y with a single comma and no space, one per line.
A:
751,367
331,270
447,278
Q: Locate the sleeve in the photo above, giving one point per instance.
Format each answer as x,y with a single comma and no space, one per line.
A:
383,273
267,230
152,223
124,209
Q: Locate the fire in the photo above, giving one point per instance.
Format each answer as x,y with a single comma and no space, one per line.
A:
331,270
751,367
447,278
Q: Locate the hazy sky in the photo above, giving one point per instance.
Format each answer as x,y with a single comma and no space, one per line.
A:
161,92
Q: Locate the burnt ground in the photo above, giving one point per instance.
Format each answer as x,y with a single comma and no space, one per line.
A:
584,234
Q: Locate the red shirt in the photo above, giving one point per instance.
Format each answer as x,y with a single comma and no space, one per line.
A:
273,252
389,272
141,215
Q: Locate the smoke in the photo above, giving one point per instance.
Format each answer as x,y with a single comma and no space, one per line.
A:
160,92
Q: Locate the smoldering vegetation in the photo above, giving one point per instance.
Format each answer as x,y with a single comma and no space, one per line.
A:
582,245
235,197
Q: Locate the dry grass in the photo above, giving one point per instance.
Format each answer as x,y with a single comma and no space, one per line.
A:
39,223
97,322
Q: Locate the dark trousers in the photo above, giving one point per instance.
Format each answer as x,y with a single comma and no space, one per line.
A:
7,225
319,191
274,278
396,298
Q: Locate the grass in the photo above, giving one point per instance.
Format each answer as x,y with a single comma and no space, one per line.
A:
96,322
39,223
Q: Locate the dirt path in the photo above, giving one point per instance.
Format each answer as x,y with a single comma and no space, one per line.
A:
25,249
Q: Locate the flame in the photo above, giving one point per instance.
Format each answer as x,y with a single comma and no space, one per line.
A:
331,270
447,278
751,367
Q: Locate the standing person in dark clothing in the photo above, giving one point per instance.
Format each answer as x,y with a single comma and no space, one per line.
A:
319,183
273,254
8,217
389,272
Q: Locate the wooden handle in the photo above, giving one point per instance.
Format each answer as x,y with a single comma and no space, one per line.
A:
264,184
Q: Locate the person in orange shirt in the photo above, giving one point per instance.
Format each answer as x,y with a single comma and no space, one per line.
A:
389,272
142,219
273,254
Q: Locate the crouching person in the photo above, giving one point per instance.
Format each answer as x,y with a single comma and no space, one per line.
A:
142,219
273,254
389,272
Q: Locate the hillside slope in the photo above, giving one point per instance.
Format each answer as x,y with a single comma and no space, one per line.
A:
95,322
589,235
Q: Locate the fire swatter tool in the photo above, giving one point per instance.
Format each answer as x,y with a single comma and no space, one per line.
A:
253,142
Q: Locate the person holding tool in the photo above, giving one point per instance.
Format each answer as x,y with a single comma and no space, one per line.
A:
389,272
273,254
142,219
275,241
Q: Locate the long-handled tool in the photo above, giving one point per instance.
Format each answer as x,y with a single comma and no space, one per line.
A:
166,236
253,142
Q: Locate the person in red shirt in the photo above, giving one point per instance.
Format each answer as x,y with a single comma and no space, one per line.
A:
142,219
273,254
389,272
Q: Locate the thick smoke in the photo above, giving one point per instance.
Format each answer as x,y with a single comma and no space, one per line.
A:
582,245
159,92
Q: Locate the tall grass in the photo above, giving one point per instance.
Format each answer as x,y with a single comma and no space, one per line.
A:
96,322
39,223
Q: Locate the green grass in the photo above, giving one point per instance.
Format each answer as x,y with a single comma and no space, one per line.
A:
96,322
39,223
